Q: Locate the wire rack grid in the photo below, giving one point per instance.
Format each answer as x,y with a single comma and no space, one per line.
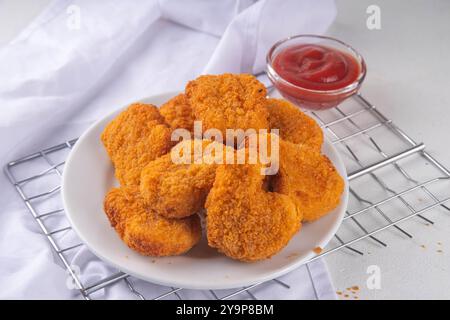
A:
380,160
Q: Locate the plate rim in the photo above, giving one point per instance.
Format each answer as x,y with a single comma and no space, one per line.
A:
186,285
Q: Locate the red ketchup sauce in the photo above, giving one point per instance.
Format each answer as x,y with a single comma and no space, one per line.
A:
315,76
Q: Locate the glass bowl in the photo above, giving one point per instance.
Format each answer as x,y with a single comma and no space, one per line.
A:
314,98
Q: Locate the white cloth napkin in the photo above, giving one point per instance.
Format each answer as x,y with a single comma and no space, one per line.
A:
80,59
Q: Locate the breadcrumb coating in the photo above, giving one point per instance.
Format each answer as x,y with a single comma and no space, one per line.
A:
178,113
146,232
309,178
244,221
177,190
228,101
135,137
294,125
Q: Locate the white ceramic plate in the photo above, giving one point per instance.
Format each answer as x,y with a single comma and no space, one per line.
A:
88,175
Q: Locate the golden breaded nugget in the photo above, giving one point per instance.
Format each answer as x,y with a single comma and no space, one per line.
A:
294,125
309,178
244,221
228,101
176,190
135,137
178,113
146,232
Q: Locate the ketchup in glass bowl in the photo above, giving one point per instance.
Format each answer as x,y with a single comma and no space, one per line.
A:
315,72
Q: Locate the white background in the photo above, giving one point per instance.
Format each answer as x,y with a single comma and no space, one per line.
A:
409,81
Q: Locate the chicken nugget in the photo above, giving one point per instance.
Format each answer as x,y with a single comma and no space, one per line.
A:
228,101
177,112
135,137
176,189
244,221
309,178
146,232
294,125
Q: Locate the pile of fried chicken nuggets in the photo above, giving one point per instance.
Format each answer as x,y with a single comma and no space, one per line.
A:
248,216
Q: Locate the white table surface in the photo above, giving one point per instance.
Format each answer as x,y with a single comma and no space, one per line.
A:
408,80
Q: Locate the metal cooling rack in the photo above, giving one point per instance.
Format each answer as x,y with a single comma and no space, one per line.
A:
392,179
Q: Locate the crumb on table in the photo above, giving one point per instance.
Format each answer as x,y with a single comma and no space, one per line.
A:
317,250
